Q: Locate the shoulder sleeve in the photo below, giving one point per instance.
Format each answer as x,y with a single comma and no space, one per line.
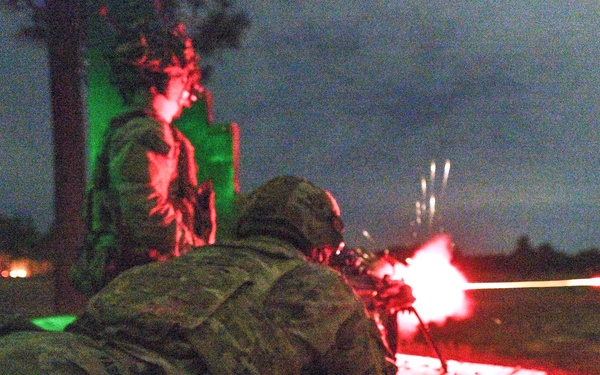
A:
327,323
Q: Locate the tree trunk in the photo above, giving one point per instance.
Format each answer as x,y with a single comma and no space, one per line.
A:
64,42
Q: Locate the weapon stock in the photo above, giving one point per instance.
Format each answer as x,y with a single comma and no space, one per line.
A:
383,297
380,293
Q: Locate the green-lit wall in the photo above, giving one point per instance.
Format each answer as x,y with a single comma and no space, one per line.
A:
216,156
215,144
103,103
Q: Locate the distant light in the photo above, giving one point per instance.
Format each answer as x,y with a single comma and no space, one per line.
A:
18,272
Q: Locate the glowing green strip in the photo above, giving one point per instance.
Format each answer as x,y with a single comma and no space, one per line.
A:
54,323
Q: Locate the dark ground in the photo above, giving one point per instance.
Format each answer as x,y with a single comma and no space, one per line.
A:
32,297
551,329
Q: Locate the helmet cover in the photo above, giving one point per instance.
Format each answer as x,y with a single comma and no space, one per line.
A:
295,210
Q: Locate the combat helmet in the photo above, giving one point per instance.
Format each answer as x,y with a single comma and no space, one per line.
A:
140,40
297,211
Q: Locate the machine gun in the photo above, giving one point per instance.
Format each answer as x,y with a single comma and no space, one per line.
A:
384,298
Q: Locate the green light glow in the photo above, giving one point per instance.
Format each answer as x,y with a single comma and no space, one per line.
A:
54,323
103,103
214,146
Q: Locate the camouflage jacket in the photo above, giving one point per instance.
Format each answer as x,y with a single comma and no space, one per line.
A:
247,307
141,201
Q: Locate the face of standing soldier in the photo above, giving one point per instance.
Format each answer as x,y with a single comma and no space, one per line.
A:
179,93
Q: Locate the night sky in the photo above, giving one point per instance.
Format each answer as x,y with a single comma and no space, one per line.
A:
361,99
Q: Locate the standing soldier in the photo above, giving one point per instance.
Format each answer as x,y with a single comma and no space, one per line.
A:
144,203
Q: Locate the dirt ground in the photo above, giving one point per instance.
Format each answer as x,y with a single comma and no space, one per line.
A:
32,297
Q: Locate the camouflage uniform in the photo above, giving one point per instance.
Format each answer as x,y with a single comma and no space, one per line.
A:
143,203
60,353
251,307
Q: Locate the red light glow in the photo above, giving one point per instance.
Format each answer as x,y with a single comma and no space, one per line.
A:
437,285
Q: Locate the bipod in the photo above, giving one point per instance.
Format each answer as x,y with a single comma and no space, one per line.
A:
428,336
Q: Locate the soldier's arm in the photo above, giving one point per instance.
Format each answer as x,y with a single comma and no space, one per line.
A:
327,323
